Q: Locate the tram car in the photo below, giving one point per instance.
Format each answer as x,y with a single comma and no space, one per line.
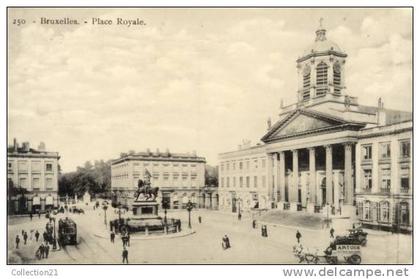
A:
67,231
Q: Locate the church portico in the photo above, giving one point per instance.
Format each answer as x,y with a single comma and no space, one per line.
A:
311,178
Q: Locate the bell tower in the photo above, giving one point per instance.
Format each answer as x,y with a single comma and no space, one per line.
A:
321,71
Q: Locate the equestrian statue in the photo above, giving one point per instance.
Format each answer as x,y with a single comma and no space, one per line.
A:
144,189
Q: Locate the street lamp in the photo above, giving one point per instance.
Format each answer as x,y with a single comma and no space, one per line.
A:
165,205
239,208
105,207
189,208
55,236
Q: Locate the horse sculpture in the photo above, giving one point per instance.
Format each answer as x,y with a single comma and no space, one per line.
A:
145,189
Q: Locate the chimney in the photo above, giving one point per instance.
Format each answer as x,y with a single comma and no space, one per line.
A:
157,151
15,145
167,152
25,146
41,146
380,114
194,153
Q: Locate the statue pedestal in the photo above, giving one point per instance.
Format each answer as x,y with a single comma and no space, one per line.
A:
145,209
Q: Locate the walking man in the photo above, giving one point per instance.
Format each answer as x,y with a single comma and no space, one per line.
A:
25,237
199,219
332,233
112,236
36,235
30,215
17,241
298,236
46,250
125,255
128,239
42,250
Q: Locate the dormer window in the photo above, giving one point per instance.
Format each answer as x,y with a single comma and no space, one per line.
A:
321,79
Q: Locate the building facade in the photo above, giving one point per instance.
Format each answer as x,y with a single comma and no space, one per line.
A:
384,192
180,177
243,179
32,177
312,152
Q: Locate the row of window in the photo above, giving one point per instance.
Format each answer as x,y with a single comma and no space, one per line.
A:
380,212
147,164
243,181
385,150
36,183
23,166
385,179
241,165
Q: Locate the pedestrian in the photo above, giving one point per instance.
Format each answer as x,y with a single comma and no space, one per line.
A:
254,224
45,236
25,237
31,236
199,219
298,236
239,216
46,250
30,215
42,250
128,239
112,236
23,233
39,214
125,255
17,241
36,235
225,242
332,233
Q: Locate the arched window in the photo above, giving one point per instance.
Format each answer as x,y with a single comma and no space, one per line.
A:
321,79
306,83
366,211
337,78
384,211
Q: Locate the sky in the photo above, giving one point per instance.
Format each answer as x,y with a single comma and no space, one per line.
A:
190,79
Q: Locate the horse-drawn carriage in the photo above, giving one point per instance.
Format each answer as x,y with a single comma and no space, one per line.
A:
343,249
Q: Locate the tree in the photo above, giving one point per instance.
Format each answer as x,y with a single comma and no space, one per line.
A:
211,176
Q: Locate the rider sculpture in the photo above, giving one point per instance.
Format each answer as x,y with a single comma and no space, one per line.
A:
144,189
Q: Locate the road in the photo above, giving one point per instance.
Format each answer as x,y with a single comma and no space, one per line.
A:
202,247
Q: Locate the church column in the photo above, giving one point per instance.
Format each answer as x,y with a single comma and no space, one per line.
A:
276,178
348,181
328,173
295,185
269,175
312,177
282,179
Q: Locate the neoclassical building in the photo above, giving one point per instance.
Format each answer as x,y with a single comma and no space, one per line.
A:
34,175
310,158
179,176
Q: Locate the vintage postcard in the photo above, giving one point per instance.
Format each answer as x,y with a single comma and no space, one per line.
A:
209,135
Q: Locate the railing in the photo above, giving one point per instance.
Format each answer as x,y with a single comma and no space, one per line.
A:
404,190
385,190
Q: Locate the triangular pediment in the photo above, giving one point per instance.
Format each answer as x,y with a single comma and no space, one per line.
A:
302,122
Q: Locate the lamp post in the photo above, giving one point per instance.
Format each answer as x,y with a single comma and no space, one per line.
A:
55,236
165,205
189,208
239,208
105,207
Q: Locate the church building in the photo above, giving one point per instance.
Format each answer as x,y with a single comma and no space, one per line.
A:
326,152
